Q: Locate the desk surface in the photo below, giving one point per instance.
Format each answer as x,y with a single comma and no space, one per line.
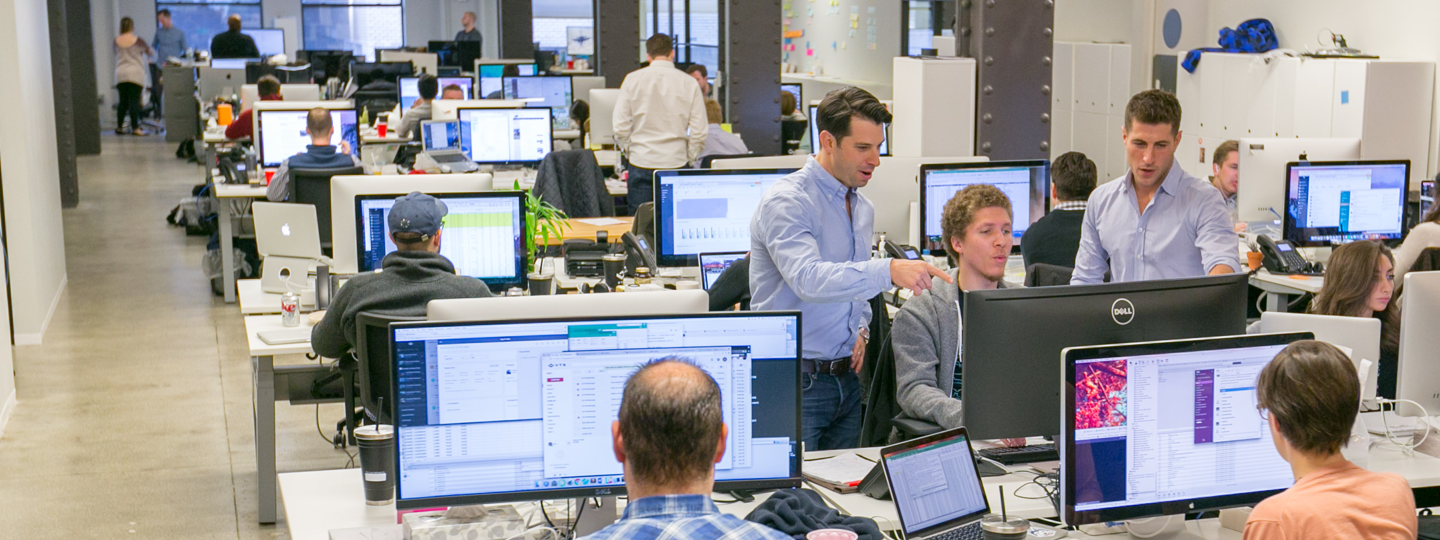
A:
225,191
254,301
580,230
1296,284
254,324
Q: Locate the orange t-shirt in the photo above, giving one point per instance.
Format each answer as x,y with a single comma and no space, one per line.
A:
1339,501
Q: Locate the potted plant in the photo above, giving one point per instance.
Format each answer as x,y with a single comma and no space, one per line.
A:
543,220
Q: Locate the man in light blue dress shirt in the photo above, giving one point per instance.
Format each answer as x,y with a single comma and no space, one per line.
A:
169,43
810,244
1157,221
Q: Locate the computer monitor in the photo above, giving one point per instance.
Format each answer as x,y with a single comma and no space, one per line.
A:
1427,197
483,235
714,264
270,41
706,211
1026,183
797,91
1167,428
344,190
1359,334
328,64
231,63
506,136
1418,373
410,89
283,133
602,116
461,54
440,135
490,74
1261,195
554,90
1334,202
1013,338
535,400
815,135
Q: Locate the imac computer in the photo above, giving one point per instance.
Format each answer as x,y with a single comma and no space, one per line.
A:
1427,197
270,41
1013,338
231,63
1419,373
550,91
1359,334
483,234
815,134
504,411
490,73
1262,192
1166,428
714,264
410,89
506,136
602,116
282,133
1026,183
1335,202
706,211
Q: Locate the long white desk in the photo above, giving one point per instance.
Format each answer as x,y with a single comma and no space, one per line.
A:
262,364
1279,289
254,301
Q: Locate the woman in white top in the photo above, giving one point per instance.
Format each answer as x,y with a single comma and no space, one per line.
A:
1425,235
132,75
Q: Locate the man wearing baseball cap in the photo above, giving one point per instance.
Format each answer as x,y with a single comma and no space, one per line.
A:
410,277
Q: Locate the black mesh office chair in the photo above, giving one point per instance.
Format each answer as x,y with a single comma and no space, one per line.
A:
791,133
375,368
571,180
1047,275
312,186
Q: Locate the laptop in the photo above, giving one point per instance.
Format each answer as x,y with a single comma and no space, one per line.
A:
286,230
442,142
714,264
936,486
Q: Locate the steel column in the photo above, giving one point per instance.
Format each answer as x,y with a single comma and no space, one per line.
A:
1012,42
617,39
752,72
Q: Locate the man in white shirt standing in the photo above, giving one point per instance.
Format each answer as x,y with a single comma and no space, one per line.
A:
659,120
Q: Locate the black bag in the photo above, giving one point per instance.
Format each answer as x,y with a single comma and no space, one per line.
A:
1429,525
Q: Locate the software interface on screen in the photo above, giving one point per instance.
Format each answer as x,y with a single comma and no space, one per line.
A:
794,90
481,236
506,408
441,135
284,134
942,185
410,89
505,135
1342,203
815,135
555,92
714,264
270,41
1172,427
231,63
1427,197
709,213
491,75
935,483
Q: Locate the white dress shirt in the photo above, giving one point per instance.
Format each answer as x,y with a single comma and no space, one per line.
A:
660,117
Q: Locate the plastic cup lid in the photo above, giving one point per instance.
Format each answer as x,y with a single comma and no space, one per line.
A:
375,432
993,523
831,534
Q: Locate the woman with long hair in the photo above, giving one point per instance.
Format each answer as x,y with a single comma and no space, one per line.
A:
1425,235
1360,282
132,75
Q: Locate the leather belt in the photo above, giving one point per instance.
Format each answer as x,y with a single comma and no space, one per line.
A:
838,366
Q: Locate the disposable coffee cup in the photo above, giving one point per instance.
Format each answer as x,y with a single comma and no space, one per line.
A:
614,268
540,283
687,285
377,463
996,527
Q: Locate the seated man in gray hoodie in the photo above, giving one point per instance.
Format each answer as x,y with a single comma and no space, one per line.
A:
926,334
410,277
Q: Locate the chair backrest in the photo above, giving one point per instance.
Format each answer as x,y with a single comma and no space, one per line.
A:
571,180
312,186
707,160
1047,275
372,352
1428,261
644,223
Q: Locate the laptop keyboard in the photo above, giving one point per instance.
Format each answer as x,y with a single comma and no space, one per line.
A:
968,532
450,158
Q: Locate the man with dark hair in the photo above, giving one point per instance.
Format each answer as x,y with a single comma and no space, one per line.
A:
810,251
420,111
659,120
1157,221
233,43
1225,168
1055,238
169,43
702,76
452,91
413,275
669,436
244,125
1309,395
319,154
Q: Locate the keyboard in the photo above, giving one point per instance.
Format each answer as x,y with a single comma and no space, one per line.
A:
968,532
1023,454
449,158
285,336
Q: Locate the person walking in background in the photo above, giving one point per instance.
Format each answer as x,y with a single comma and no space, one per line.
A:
131,76
169,43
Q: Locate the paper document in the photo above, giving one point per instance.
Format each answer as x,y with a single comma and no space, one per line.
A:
841,469
600,222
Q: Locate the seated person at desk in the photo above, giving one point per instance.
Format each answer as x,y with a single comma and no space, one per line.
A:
719,142
1360,282
1423,236
669,436
452,92
1055,238
233,43
926,334
413,275
1308,394
244,125
789,109
317,155
420,111
1226,169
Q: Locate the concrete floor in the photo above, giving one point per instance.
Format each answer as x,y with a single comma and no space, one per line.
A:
135,414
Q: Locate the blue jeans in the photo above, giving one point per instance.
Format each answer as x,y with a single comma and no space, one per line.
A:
830,418
641,187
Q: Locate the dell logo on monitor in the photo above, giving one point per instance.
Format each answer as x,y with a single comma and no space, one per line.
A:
1122,311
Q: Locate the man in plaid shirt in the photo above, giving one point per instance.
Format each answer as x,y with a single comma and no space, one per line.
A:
669,436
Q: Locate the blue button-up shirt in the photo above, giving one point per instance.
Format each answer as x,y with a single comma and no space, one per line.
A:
682,517
1184,232
808,254
169,42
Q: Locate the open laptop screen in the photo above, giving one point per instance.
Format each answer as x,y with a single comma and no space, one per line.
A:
935,483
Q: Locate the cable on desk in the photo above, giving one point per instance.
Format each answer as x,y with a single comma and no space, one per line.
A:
1408,449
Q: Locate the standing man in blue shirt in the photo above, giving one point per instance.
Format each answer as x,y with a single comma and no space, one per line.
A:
810,251
169,43
1157,221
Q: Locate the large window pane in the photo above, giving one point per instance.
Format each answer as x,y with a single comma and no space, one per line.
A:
359,29
550,32
920,27
202,21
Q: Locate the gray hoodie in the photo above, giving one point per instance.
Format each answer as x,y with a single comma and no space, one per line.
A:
925,338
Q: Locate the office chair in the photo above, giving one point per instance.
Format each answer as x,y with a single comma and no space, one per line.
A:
312,186
374,365
707,160
572,181
1428,261
1047,275
791,132
644,223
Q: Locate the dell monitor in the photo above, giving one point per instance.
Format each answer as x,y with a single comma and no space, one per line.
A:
1166,428
1025,183
283,133
506,136
815,135
483,234
509,411
1013,337
1335,202
491,73
550,91
706,211
410,89
270,41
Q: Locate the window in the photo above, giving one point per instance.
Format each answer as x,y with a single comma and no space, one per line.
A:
358,26
203,19
552,32
693,24
925,19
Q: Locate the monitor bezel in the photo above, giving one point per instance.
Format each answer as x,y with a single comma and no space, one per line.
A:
481,62
1291,232
460,111
797,458
496,283
260,126
666,259
700,260
570,82
927,440
1067,424
1042,190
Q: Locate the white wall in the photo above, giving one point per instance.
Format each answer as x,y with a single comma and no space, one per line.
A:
855,61
1110,21
31,184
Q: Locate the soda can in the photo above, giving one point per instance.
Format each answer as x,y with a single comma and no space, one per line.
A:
290,309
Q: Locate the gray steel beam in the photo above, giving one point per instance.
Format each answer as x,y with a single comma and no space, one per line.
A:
752,72
617,39
1012,41
517,27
